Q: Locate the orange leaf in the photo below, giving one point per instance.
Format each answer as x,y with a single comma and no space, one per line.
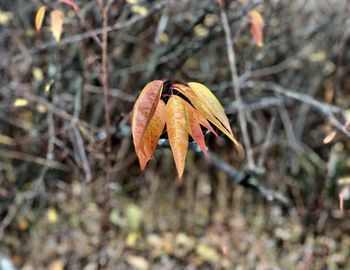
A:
144,108
39,17
256,27
176,123
152,134
57,18
194,128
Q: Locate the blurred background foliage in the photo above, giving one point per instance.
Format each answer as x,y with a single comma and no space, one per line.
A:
296,98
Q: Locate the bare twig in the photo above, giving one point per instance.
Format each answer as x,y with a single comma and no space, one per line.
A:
236,88
104,79
326,109
78,138
79,37
244,178
4,153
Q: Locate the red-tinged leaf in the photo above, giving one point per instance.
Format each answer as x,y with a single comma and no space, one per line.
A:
176,123
144,108
204,110
143,160
71,3
220,3
208,98
256,27
194,128
204,122
152,134
39,17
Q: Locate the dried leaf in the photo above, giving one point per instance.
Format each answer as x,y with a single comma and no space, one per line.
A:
330,137
143,111
57,19
137,262
56,265
176,122
256,27
39,17
152,134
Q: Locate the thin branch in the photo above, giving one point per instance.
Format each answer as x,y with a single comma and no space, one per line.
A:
79,37
4,153
78,138
236,88
245,178
326,109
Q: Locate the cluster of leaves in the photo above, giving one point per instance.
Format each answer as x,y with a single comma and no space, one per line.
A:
56,18
179,110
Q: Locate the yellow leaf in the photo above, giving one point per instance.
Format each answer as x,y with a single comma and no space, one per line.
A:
164,38
207,253
47,87
201,31
139,10
56,23
41,108
20,102
5,17
52,215
344,180
56,265
38,74
132,238
39,18
318,56
6,140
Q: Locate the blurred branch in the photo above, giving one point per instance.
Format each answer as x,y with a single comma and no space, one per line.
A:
248,180
244,178
79,142
89,34
236,88
326,109
10,154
